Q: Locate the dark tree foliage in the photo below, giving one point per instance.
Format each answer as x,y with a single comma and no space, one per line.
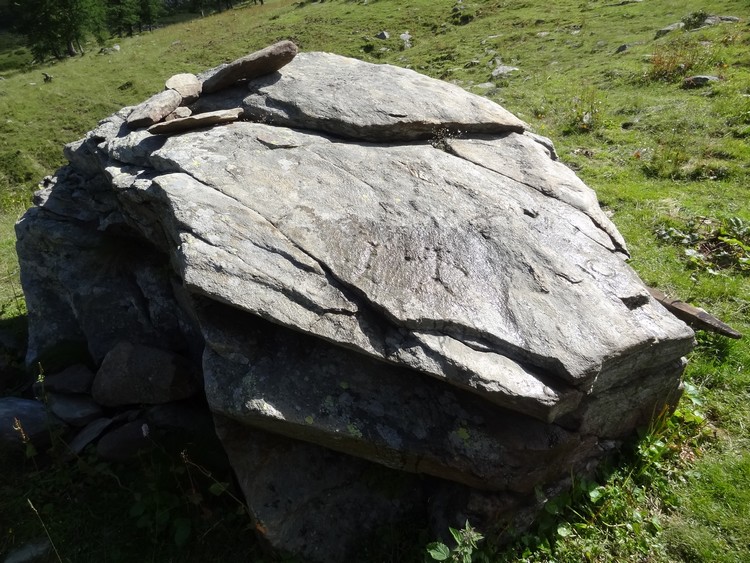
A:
124,17
58,27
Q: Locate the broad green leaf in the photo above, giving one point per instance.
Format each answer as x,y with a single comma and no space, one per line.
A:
438,551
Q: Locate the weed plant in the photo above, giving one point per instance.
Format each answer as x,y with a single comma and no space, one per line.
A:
669,164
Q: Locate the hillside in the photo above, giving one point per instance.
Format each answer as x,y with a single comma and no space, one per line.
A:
669,163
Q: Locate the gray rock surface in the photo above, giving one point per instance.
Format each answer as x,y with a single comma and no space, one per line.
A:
137,374
699,81
324,92
23,420
260,63
503,70
180,113
669,29
153,110
75,379
383,274
195,121
76,410
311,502
125,442
88,434
187,85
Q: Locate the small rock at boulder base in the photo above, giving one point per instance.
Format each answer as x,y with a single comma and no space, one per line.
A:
135,374
77,378
125,442
76,410
25,420
256,64
384,278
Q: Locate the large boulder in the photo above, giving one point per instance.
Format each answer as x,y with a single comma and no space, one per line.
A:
373,270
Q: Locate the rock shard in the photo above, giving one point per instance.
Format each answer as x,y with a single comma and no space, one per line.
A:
370,269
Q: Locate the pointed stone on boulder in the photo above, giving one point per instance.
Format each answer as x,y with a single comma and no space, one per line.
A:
256,64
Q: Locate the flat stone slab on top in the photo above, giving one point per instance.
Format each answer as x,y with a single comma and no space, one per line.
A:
359,100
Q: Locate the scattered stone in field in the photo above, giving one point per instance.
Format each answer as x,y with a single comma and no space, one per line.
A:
383,35
110,50
406,38
714,20
699,81
485,86
669,29
472,63
543,34
622,48
186,85
503,70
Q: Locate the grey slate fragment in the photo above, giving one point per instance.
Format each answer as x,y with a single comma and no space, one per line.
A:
76,410
195,121
153,110
669,29
260,63
88,434
325,92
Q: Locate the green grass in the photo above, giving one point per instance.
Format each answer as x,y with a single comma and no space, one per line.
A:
658,156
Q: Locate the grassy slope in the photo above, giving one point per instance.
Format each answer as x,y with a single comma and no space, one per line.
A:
657,155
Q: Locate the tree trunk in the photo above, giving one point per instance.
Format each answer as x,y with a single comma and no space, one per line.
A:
71,49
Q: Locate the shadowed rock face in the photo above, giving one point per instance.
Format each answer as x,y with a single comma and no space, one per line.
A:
369,261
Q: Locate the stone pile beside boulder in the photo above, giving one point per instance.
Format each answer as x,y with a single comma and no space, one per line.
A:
398,303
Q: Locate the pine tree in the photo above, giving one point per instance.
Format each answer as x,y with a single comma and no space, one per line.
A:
58,27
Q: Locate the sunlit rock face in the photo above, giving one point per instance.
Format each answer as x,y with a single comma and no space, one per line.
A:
386,282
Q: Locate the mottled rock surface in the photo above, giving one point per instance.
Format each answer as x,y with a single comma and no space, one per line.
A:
375,272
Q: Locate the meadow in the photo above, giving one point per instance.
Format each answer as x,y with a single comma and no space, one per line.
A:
670,164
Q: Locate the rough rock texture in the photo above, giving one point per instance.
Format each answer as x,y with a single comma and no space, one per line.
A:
156,108
137,374
384,275
24,420
188,86
257,64
195,121
369,102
